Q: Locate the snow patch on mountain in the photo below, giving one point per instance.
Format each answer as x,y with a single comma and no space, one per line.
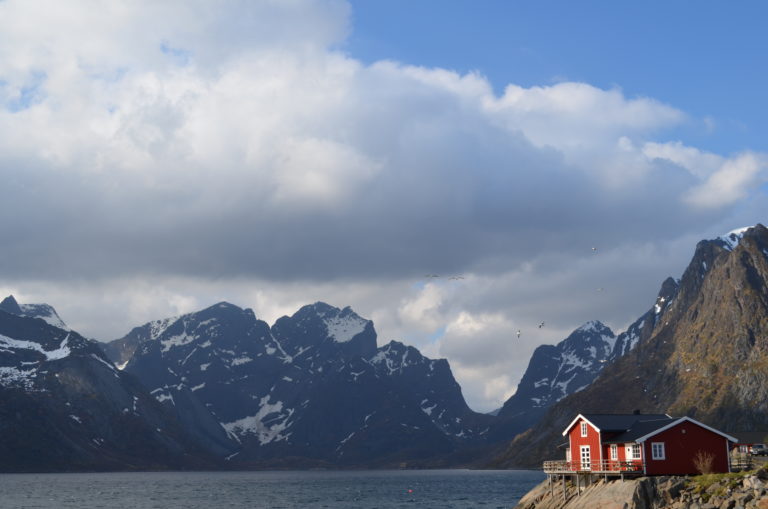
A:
9,344
343,328
157,327
13,377
177,340
266,430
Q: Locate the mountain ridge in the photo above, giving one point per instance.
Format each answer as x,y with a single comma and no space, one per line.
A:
702,352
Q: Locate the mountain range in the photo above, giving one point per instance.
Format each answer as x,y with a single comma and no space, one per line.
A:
219,388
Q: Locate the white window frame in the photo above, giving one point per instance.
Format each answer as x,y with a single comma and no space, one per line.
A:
658,451
614,452
583,429
637,452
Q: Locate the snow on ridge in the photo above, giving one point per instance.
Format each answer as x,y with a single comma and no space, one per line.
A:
590,326
732,238
157,327
343,328
45,312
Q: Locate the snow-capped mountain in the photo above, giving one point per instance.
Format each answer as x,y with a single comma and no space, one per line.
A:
42,311
313,386
554,372
66,406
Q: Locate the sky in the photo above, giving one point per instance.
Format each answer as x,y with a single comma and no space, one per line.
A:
159,157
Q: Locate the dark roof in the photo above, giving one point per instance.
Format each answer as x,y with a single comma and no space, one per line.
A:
640,429
621,422
751,437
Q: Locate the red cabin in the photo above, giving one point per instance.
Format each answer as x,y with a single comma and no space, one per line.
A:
643,444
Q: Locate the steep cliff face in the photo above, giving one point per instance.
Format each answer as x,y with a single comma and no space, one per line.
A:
706,354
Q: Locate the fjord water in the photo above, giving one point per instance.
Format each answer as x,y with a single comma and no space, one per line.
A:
293,489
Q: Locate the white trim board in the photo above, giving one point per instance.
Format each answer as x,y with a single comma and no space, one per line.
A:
680,420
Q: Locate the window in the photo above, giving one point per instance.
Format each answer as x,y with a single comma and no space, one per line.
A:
614,452
583,429
657,451
586,460
636,451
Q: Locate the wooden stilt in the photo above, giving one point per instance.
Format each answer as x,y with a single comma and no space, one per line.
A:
564,495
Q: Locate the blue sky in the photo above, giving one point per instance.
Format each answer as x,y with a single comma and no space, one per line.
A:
159,157
707,58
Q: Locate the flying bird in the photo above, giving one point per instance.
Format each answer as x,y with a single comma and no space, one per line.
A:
594,249
455,277
428,276
518,333
541,325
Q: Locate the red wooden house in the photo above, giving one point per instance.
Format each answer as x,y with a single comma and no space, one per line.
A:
649,444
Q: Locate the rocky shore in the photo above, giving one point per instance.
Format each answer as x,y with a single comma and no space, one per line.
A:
741,490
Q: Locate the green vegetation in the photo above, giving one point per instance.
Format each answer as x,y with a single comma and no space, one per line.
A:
701,484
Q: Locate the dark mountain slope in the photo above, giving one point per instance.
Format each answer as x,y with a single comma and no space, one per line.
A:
66,407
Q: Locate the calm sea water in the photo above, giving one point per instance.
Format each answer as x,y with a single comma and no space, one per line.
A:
442,489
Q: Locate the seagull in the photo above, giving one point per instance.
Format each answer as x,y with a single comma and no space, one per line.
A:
600,289
594,249
428,276
455,277
541,325
518,333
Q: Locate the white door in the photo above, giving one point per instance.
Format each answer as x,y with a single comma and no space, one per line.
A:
586,460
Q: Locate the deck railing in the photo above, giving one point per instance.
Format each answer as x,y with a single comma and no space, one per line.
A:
596,466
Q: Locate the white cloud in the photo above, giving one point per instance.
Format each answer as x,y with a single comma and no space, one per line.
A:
732,182
160,156
578,116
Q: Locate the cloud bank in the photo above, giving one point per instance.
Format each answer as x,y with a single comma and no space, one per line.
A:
157,157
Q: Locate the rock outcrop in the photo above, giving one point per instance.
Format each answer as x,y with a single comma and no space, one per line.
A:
745,490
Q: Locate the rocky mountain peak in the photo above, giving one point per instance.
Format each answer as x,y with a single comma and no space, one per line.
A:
9,305
42,311
332,330
554,372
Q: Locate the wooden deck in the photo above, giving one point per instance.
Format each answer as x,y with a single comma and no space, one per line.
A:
604,467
